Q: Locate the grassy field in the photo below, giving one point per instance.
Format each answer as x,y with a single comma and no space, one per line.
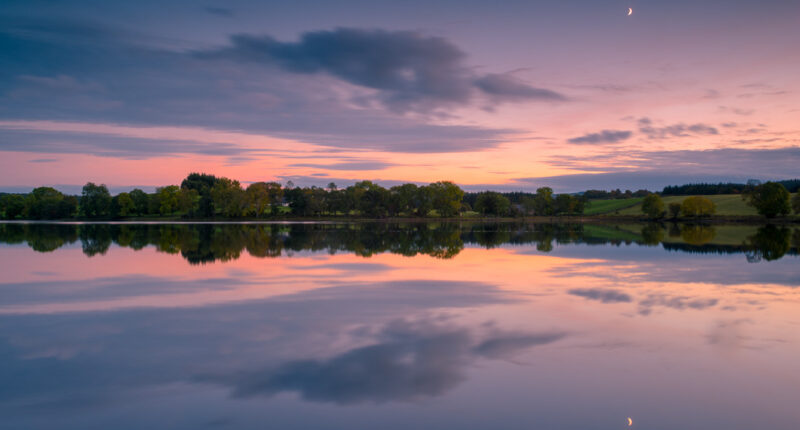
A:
727,204
598,207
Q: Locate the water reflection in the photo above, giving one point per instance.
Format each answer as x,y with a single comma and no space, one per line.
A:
205,243
445,326
409,361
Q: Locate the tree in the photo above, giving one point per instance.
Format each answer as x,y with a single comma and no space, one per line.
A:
258,198
674,209
228,197
12,206
653,206
49,203
770,199
567,204
401,199
167,199
373,199
697,206
140,201
202,183
188,201
492,203
95,201
275,192
423,201
124,205
544,201
447,198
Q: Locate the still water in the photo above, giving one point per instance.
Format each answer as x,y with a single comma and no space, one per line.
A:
389,326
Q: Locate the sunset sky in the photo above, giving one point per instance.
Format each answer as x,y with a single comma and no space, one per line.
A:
504,95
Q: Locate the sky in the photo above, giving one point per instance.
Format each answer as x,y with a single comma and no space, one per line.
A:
503,95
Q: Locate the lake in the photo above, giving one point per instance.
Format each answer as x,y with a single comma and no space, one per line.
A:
399,326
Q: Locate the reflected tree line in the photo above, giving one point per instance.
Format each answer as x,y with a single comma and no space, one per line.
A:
205,243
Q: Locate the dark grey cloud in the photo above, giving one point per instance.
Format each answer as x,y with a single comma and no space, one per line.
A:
82,72
111,145
507,87
649,129
605,136
602,295
503,346
410,71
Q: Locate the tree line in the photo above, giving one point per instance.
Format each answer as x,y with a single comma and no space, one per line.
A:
205,196
791,185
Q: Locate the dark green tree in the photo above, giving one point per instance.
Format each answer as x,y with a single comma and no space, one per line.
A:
447,198
543,201
228,197
492,203
49,203
123,205
202,183
770,199
653,206
11,206
140,202
95,201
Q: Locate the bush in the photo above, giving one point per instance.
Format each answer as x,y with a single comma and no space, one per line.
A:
653,206
697,206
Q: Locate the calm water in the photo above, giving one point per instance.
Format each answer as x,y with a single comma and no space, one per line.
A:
337,326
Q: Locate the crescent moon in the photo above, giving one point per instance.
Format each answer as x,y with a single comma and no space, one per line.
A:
630,11
630,421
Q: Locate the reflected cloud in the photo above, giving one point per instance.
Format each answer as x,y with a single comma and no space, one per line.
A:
602,295
674,302
411,360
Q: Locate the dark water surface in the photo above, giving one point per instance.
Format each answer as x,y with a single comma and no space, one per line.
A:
399,326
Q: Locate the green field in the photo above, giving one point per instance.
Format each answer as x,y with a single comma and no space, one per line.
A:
727,204
598,207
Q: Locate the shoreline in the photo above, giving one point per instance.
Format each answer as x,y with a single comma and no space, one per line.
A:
569,219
